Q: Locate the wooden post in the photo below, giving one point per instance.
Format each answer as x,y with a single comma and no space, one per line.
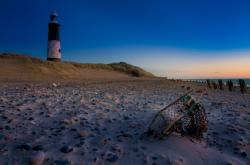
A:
243,87
208,84
220,84
230,85
214,85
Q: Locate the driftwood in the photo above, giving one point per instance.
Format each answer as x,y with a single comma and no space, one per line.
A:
243,88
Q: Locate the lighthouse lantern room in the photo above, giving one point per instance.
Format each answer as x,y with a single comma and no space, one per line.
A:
54,45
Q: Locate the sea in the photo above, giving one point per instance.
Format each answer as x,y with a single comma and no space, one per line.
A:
235,81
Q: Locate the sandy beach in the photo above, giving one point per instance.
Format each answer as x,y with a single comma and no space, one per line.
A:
125,82
102,122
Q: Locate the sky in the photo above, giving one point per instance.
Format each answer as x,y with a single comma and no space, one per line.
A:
170,38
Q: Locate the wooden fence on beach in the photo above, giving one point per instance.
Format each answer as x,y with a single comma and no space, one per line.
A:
230,85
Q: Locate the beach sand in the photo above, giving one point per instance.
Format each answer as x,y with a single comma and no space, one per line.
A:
102,122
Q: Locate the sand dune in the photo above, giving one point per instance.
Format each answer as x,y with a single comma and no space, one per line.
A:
24,68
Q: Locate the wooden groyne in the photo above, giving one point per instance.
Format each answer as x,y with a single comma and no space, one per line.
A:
229,85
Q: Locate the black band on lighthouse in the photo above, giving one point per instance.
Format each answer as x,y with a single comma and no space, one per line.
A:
54,32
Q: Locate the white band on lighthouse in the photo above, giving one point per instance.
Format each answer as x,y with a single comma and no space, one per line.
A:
54,49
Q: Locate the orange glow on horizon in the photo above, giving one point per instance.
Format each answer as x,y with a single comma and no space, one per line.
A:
226,68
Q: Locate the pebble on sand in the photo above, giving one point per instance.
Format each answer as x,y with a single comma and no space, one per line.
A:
111,157
37,148
243,154
66,149
54,85
83,133
62,162
24,147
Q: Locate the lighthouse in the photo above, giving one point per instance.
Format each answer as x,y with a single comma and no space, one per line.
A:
54,45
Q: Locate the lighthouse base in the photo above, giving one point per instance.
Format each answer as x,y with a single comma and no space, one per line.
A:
54,59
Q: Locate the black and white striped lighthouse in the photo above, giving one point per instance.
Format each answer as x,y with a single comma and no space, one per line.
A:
54,45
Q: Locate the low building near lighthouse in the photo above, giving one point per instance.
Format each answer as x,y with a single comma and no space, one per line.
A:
54,45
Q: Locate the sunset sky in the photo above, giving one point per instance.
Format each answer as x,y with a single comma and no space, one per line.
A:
173,38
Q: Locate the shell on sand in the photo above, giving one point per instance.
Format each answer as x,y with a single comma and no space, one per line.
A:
38,159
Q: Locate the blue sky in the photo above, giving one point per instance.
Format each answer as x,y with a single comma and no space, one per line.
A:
167,37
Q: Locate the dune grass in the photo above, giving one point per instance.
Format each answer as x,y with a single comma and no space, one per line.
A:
64,66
